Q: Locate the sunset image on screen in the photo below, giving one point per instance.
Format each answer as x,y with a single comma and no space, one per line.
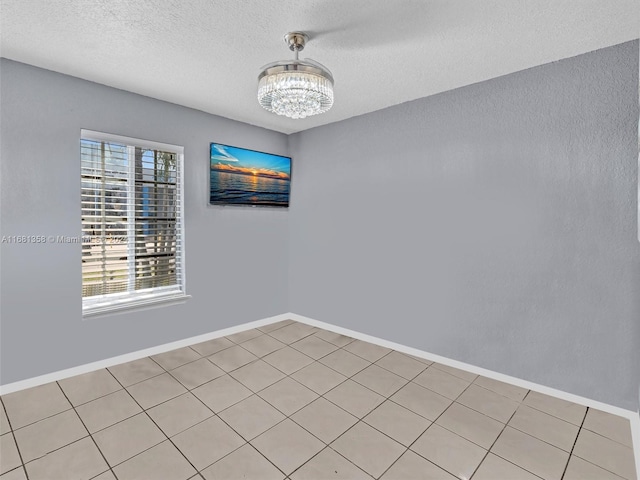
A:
246,177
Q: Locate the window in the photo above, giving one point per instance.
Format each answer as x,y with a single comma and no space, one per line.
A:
132,223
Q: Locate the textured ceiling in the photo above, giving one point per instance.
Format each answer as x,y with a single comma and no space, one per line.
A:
206,54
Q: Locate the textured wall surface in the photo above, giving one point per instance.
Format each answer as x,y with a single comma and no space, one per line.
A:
235,257
494,224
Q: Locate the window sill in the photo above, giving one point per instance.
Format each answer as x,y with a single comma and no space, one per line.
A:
131,305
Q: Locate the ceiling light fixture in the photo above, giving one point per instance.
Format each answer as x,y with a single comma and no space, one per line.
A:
295,88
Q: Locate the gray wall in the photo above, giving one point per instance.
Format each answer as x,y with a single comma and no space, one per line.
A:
236,258
494,224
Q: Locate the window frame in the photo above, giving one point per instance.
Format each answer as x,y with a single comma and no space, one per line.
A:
121,302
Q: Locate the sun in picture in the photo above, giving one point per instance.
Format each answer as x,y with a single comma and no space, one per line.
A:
246,177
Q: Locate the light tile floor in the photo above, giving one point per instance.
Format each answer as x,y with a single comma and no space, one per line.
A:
290,401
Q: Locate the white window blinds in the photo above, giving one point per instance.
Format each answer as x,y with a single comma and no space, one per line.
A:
132,235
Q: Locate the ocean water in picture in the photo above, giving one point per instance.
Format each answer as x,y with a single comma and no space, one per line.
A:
246,177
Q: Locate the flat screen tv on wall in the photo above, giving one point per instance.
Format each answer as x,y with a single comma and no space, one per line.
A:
246,177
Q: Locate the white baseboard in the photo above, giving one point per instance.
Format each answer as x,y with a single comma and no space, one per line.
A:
465,366
634,417
128,357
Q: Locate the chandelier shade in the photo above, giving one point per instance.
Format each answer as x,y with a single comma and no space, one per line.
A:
295,88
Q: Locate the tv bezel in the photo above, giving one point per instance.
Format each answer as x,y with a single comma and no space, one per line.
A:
225,204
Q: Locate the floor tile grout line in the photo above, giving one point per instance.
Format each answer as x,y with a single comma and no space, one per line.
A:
60,448
497,393
164,370
507,424
430,425
604,436
375,363
278,328
272,405
312,331
549,413
284,346
228,337
88,432
214,414
255,393
518,401
250,446
274,366
212,340
456,433
43,418
478,377
260,354
135,383
348,377
415,453
493,444
617,476
541,439
247,442
191,390
588,461
127,387
406,449
426,367
235,450
157,426
119,421
327,446
520,404
208,357
386,398
289,416
318,360
427,388
506,460
446,409
415,413
15,441
18,467
338,406
174,350
482,413
584,417
340,335
100,474
370,363
436,365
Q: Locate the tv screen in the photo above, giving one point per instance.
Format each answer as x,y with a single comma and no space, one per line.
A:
245,177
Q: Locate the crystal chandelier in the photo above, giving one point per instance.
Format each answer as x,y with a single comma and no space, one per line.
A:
295,88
